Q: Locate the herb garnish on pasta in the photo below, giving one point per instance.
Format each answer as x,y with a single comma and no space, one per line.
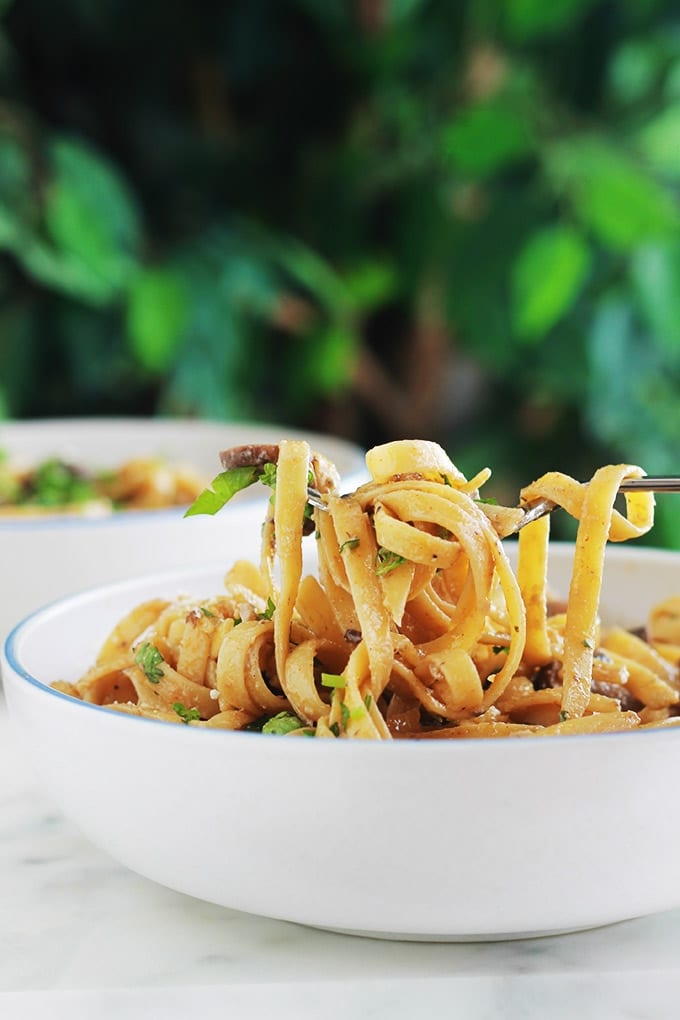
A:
415,623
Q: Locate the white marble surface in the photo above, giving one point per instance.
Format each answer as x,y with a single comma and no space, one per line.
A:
81,937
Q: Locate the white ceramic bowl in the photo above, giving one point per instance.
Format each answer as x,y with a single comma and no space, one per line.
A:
43,558
414,839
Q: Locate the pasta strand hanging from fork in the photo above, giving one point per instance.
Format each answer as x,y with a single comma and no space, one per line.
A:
417,624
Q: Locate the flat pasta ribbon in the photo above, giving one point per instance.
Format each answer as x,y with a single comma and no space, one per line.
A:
416,624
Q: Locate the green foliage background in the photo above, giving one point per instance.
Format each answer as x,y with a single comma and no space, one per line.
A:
456,219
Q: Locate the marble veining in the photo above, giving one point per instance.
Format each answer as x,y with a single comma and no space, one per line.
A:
80,936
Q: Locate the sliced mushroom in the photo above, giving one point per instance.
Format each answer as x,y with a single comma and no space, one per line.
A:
326,477
250,455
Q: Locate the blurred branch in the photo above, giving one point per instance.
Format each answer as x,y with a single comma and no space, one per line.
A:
371,15
411,405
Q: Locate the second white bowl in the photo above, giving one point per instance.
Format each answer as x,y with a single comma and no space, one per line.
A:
45,557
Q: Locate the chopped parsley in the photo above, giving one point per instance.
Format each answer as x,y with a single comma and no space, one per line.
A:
56,483
149,660
284,722
269,611
345,713
52,483
335,729
497,649
368,701
268,475
187,715
333,680
489,502
387,561
206,611
564,716
351,543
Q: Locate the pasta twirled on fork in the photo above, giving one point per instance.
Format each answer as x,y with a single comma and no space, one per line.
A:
415,625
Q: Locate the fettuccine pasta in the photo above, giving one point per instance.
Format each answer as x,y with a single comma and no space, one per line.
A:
415,624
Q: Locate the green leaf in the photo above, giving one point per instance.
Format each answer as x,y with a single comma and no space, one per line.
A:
329,360
62,271
312,272
187,715
659,141
547,279
156,316
641,413
207,378
387,561
284,722
223,488
634,70
248,282
81,273
101,187
370,284
478,279
655,272
333,680
486,137
533,19
91,218
269,475
269,611
150,661
612,196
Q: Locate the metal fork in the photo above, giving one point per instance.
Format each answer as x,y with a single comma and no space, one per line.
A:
541,507
650,483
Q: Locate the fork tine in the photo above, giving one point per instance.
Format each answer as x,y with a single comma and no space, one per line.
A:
533,511
316,499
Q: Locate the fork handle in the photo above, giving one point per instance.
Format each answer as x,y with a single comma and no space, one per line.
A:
651,483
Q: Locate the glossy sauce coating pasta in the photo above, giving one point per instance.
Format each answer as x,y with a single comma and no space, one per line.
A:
416,624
